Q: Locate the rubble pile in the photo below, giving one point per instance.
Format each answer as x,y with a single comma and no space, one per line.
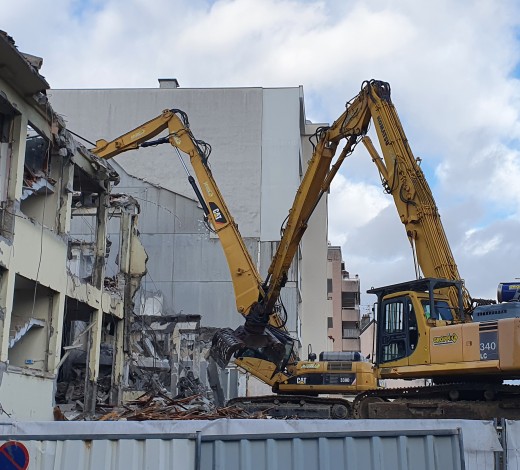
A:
159,406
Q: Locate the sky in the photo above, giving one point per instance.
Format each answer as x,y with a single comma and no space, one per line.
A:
454,68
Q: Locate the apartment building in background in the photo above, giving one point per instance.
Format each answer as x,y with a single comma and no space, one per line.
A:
343,293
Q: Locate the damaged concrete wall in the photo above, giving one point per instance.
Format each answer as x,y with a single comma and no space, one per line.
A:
258,159
46,179
187,270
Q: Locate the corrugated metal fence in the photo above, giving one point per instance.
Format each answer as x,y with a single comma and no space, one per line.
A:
512,444
250,444
383,450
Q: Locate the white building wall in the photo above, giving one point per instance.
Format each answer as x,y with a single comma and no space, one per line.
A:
258,156
315,306
281,151
26,397
230,120
254,133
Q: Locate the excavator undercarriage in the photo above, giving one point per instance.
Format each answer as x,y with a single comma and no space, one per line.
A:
296,406
467,400
485,401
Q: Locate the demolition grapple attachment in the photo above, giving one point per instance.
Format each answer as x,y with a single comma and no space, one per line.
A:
224,344
271,345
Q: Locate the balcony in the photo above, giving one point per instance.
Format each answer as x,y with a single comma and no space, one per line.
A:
350,333
350,314
351,344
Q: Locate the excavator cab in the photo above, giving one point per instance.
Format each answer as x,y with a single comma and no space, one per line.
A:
405,314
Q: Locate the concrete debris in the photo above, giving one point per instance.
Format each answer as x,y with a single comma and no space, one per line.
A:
190,385
71,390
39,186
159,406
111,284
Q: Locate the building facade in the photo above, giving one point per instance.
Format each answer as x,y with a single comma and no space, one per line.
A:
57,312
343,322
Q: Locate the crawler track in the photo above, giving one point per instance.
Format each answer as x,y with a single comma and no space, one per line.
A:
296,406
457,400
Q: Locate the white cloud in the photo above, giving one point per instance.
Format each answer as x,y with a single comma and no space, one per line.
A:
476,246
450,64
351,206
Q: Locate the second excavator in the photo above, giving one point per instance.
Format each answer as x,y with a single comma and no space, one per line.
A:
426,329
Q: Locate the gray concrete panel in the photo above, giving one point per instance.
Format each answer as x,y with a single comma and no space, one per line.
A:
289,297
215,301
281,148
199,259
83,227
267,252
157,210
159,248
188,216
230,120
165,212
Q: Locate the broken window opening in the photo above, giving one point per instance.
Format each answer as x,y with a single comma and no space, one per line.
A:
39,194
150,365
4,278
84,225
7,115
84,246
36,163
6,133
37,152
77,326
73,383
30,331
81,258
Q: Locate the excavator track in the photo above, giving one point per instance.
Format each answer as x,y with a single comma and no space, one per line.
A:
295,406
449,401
466,400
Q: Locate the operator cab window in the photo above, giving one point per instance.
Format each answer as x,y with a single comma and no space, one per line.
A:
413,332
394,346
394,317
398,330
441,311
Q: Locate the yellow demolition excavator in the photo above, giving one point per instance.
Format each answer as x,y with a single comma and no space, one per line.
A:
263,334
262,345
428,328
425,328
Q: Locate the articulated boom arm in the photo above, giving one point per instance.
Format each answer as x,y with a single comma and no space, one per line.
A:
246,280
405,181
402,178
350,126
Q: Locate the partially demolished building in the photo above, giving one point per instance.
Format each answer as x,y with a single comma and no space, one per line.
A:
260,148
82,323
61,318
